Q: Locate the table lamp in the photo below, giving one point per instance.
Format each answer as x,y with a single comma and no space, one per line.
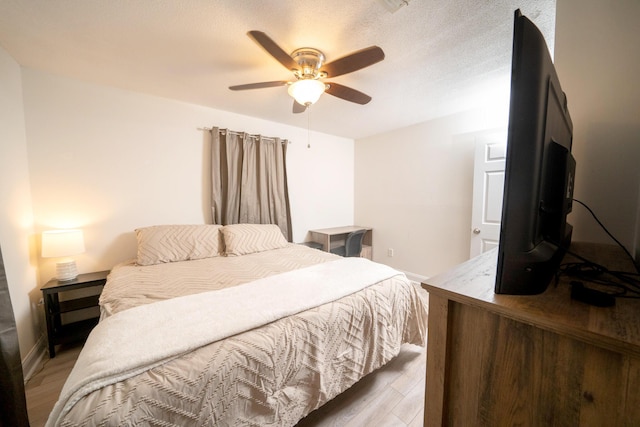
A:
63,244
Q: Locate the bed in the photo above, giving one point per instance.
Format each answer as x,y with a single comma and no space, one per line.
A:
234,326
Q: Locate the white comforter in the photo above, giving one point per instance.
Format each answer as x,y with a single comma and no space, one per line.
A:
135,340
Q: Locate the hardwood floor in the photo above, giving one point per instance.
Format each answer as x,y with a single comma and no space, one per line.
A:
393,396
43,388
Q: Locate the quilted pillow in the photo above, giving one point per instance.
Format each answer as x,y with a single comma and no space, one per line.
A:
241,239
170,243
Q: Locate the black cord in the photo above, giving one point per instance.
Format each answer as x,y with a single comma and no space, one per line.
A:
609,233
617,283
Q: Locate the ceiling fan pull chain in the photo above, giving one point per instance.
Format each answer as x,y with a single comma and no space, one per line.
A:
308,128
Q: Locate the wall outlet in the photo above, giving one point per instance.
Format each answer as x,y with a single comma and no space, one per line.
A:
390,252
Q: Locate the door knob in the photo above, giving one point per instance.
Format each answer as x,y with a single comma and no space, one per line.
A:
476,231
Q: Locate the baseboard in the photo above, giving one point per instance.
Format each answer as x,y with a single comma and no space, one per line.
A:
31,364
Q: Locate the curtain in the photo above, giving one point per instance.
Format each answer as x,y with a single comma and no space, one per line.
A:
13,404
249,180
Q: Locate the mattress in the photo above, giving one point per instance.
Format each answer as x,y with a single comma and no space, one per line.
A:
269,375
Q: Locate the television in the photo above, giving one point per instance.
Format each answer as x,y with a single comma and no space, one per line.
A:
539,169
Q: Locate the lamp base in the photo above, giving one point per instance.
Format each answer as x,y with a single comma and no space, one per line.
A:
66,270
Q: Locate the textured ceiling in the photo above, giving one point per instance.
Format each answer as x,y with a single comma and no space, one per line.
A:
442,56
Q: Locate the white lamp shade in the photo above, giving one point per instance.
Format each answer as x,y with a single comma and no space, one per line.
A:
306,92
62,243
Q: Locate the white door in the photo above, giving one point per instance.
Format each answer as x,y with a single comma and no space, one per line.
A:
488,182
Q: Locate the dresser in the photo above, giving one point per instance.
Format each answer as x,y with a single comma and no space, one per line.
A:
537,360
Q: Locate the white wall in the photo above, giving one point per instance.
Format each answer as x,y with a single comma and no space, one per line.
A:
414,187
598,64
16,216
109,161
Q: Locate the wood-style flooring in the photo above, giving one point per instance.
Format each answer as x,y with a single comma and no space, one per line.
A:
43,388
393,396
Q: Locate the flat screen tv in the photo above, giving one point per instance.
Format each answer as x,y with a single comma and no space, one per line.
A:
539,169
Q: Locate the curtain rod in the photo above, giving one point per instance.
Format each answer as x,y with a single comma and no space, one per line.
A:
223,131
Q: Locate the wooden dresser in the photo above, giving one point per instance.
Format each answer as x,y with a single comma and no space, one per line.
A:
542,360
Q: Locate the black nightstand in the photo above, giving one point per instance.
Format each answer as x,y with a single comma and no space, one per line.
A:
57,332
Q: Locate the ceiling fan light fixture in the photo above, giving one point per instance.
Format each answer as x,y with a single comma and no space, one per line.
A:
306,92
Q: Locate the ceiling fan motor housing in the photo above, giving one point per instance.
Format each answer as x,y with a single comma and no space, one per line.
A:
310,60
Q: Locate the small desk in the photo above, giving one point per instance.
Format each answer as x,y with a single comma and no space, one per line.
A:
336,236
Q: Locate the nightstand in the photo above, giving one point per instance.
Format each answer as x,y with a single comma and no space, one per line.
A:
57,332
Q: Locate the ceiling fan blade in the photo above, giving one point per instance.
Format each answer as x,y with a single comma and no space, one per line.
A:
298,108
353,62
347,93
258,85
273,49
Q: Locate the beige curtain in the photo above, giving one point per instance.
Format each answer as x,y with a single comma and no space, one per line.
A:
249,180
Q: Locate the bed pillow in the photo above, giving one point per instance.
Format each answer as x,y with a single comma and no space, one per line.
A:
169,243
241,239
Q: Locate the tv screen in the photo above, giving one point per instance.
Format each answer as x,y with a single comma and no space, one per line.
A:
539,169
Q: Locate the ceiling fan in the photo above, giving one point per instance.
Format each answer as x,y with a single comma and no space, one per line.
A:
309,69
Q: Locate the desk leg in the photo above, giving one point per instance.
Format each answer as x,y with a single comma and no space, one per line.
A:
436,387
323,239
